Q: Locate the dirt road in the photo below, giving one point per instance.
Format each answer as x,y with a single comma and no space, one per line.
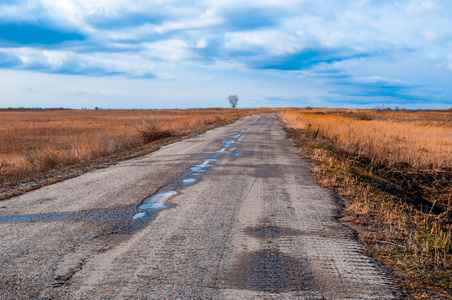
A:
229,214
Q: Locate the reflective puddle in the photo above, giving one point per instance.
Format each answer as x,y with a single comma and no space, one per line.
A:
157,201
36,218
229,144
210,159
201,167
189,181
139,215
154,203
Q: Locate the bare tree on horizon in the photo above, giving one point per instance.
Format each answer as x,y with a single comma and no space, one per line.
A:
233,100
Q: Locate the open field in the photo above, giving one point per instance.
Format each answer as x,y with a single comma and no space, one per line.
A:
422,140
35,141
394,169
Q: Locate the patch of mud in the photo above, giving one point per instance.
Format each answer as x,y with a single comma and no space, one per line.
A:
269,271
270,231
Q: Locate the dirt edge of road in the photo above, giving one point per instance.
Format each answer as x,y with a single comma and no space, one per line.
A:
361,214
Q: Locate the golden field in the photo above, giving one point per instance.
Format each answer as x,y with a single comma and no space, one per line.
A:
420,139
35,141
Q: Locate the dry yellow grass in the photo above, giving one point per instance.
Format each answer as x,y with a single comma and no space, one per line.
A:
35,141
422,140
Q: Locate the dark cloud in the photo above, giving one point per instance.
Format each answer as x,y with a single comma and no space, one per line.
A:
29,34
377,89
70,66
307,59
251,17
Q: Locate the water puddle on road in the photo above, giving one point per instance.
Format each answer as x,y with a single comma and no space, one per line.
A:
157,201
229,143
205,166
210,159
35,218
117,220
189,181
139,215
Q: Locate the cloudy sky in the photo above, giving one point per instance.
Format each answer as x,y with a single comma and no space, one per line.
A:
179,54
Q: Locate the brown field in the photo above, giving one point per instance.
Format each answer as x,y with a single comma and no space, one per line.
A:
36,141
394,168
420,139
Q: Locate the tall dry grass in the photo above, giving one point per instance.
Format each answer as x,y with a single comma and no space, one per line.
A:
422,140
35,141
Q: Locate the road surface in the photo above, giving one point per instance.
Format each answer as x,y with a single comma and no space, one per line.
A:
229,214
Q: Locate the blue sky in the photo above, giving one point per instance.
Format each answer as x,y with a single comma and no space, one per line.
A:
180,54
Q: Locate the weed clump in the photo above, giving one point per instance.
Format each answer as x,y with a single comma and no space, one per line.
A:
151,132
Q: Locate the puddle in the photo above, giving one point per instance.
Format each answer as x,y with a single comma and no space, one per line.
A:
210,159
229,144
36,218
139,215
157,201
117,220
270,231
189,181
235,153
236,136
269,271
201,167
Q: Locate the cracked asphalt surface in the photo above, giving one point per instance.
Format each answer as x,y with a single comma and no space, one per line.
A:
229,214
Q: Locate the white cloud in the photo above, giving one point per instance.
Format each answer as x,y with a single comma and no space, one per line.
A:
375,79
207,19
202,43
171,50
